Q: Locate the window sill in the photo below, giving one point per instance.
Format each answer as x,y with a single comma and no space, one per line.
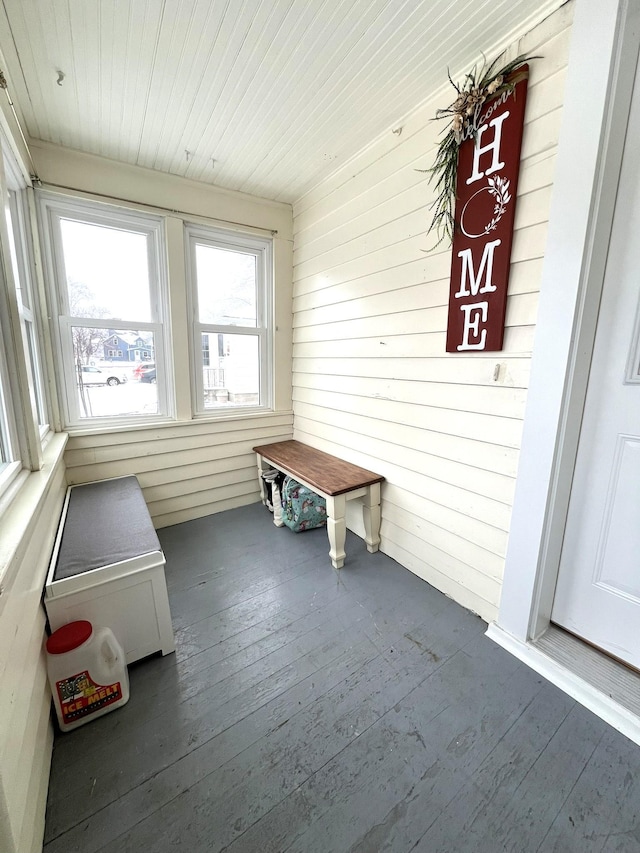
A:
216,418
19,514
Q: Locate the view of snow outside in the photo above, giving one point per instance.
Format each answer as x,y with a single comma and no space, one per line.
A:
108,279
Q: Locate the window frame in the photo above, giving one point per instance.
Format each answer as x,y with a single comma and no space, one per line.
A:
25,280
22,438
262,249
10,450
54,208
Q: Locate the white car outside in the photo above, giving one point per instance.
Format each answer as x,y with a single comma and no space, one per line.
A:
114,375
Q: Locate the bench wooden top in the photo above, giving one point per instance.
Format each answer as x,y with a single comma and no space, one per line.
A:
324,472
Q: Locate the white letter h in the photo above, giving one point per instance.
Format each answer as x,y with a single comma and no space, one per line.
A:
494,147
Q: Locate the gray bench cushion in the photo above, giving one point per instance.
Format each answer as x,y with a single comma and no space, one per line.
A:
107,522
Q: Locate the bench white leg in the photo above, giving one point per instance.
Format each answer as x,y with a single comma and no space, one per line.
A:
262,466
371,517
337,529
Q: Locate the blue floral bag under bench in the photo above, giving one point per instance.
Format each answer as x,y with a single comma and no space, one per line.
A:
302,509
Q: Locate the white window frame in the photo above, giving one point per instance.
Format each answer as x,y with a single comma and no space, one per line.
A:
53,209
262,249
22,254
10,455
21,437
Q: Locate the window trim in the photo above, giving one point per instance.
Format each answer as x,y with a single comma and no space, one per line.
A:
30,316
54,207
262,248
10,468
20,413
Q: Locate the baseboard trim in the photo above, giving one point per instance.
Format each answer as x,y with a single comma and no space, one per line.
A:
604,686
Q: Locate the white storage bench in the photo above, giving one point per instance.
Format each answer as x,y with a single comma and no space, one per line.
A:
108,567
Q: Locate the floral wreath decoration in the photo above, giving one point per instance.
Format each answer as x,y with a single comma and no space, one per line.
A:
480,85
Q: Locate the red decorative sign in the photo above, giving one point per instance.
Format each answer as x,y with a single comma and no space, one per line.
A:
487,182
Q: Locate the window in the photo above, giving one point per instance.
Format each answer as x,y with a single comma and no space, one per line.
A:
231,297
21,254
110,296
23,404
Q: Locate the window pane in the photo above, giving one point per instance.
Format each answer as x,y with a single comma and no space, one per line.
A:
232,377
226,287
111,385
20,259
6,454
19,274
36,374
107,271
110,288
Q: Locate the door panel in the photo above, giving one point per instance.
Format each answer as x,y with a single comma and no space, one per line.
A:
598,590
616,566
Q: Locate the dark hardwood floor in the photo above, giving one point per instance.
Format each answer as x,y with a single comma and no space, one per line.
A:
321,711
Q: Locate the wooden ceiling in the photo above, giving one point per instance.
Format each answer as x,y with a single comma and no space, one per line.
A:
263,96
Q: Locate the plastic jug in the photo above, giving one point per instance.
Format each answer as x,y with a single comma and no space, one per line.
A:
87,673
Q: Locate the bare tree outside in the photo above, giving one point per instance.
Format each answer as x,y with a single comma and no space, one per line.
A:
87,341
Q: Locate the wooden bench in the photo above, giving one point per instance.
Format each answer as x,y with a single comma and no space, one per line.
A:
336,481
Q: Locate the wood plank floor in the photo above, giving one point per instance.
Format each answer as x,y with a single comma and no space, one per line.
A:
311,710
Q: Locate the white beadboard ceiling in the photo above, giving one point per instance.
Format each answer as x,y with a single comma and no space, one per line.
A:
267,96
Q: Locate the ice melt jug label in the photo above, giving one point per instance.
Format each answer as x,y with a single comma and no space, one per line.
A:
80,696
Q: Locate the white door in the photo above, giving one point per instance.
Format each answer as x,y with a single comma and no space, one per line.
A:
598,591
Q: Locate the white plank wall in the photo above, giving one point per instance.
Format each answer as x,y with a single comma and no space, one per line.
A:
26,733
186,470
372,382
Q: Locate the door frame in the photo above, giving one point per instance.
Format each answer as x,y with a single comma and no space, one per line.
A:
605,43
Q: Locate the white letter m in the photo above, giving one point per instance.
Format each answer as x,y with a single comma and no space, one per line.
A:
486,269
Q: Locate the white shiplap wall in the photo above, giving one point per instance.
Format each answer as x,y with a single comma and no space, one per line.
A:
372,381
26,733
186,470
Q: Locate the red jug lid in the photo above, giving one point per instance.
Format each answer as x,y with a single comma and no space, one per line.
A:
69,637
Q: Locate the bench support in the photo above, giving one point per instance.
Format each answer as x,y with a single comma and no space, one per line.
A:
371,517
337,529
